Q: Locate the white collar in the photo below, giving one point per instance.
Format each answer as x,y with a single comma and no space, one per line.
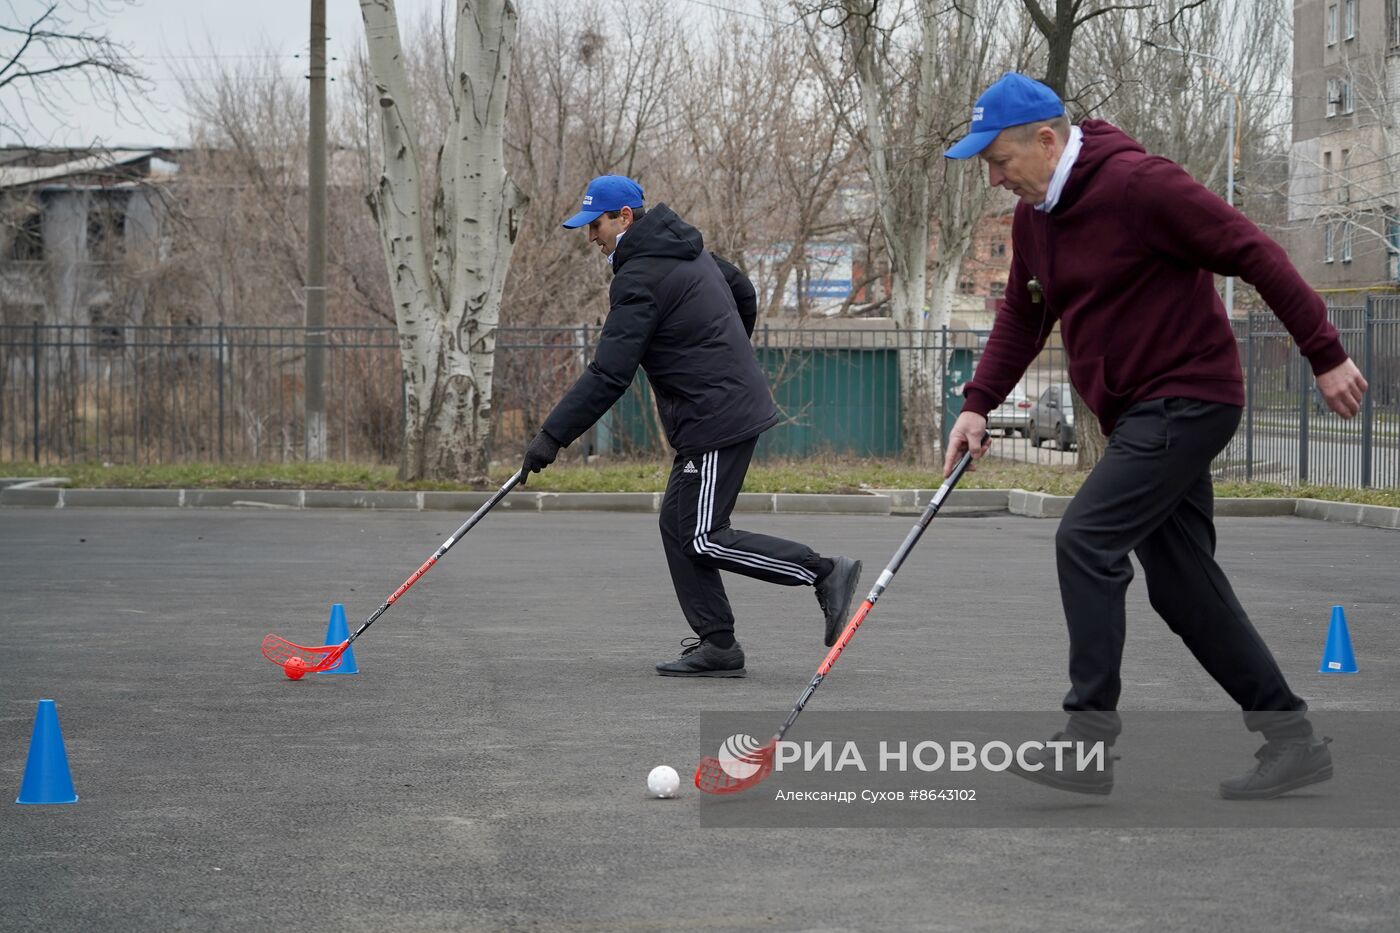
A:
614,252
1057,181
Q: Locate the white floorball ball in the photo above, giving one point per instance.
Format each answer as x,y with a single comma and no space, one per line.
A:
663,781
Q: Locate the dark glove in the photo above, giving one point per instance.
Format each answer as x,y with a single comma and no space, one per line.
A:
540,454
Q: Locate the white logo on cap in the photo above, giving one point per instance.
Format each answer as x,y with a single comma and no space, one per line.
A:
587,200
976,114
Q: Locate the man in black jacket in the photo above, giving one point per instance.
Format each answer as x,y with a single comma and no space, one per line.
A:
685,316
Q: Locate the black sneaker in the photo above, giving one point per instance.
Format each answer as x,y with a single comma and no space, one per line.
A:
702,659
1089,779
834,594
1284,765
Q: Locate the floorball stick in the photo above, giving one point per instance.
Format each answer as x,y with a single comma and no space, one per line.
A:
299,660
737,772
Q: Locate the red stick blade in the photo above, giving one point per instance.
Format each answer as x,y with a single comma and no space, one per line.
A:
314,660
730,776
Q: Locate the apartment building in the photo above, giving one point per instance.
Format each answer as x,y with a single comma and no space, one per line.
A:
1344,171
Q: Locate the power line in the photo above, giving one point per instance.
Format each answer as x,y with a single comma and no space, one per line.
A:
757,16
46,57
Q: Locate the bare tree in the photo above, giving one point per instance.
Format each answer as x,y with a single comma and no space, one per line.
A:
895,90
1059,25
1170,75
912,99
49,45
763,151
628,79
1173,84
596,94
237,200
967,54
447,287
1058,28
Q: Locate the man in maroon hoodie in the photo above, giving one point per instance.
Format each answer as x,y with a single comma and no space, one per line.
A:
1120,247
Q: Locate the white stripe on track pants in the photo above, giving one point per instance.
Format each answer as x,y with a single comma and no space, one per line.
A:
699,541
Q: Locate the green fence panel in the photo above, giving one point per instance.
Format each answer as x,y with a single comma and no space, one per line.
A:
833,402
630,426
957,374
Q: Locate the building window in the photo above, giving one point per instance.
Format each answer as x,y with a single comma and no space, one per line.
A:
1345,191
1332,24
999,248
998,288
1348,104
1349,20
1328,242
1334,96
966,287
106,229
1348,228
1326,175
1392,22
107,333
28,244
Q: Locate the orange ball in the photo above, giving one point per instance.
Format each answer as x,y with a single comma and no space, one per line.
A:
295,668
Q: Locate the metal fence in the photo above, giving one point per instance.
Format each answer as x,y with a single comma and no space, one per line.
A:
223,393
141,395
1289,435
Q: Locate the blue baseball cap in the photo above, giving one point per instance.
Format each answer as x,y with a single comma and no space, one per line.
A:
1012,101
606,193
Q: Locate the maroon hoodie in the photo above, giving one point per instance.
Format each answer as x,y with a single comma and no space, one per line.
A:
1124,263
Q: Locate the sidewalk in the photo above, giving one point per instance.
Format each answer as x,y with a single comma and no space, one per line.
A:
49,493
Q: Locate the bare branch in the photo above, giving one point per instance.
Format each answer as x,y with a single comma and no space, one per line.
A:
1115,8
80,65
1180,12
28,40
66,49
1043,22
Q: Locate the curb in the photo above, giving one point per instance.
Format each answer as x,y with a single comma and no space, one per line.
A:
44,495
47,493
1373,516
1043,505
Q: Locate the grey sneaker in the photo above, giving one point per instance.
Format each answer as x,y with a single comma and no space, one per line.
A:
1069,776
702,659
1284,765
834,594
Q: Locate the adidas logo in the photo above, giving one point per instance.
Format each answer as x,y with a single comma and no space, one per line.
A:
690,467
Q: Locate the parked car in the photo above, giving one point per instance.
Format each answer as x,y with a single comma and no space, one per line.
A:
1013,415
1052,417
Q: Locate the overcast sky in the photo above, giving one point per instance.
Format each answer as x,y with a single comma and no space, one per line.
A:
166,36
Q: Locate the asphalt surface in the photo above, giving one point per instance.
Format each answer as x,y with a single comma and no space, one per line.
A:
486,769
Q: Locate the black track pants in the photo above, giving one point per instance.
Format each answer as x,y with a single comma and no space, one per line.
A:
1151,495
699,541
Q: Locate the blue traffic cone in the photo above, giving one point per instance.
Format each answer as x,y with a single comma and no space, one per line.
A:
46,777
1337,657
336,633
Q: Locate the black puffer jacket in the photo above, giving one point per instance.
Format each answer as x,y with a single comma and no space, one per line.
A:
684,316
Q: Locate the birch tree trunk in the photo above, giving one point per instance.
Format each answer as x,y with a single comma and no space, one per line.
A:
901,184
962,198
447,287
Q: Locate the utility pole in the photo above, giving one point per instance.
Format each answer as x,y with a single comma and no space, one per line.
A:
316,243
